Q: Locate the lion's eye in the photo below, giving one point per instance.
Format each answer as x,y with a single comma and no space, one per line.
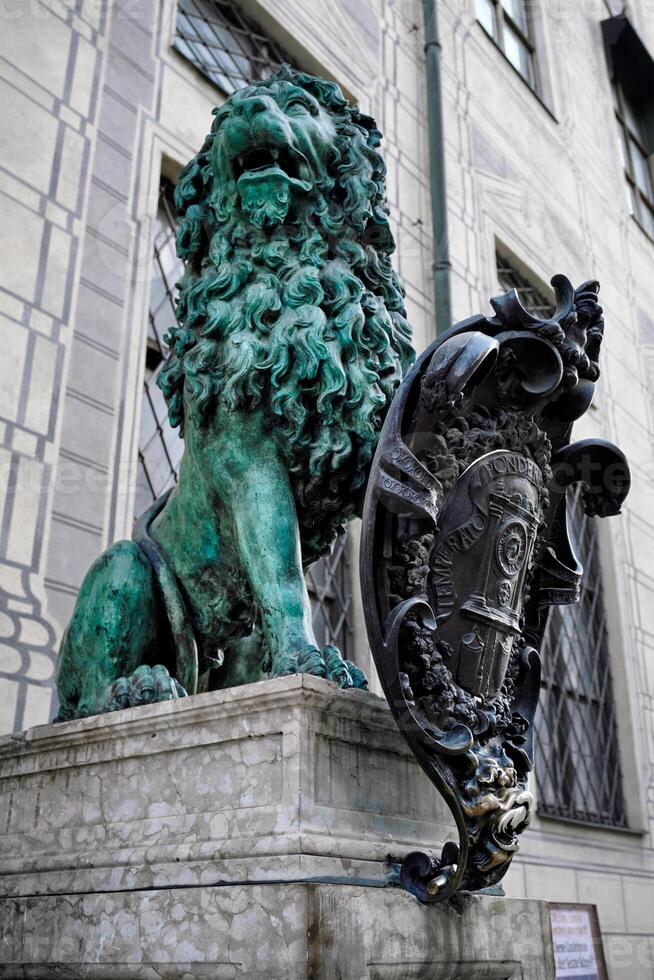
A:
299,106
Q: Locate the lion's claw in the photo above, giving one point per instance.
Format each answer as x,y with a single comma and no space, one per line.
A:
344,672
311,662
337,668
147,685
326,663
359,679
284,665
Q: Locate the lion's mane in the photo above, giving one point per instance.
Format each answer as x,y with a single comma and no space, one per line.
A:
306,322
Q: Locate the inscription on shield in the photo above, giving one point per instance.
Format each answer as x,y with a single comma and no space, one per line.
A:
479,565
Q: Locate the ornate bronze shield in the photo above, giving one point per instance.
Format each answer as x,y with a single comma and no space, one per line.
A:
464,548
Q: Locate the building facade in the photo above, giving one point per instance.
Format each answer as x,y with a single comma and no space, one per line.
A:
549,131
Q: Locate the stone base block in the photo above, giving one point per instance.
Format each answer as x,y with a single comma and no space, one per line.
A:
239,833
281,932
291,778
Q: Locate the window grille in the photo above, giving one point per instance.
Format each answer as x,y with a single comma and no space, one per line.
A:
329,585
636,160
507,22
231,51
160,448
531,297
577,757
225,45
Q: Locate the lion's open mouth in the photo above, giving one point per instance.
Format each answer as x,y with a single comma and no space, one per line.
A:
262,159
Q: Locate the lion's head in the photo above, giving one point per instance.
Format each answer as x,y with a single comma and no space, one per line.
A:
288,303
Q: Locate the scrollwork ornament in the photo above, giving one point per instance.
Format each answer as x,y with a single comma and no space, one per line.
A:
465,546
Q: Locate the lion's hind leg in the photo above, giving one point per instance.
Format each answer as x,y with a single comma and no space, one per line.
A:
115,633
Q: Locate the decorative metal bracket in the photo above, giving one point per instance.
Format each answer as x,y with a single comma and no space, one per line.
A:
465,546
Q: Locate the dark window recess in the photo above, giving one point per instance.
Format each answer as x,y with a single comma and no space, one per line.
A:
160,448
507,22
225,45
531,297
329,585
632,77
578,771
577,757
636,159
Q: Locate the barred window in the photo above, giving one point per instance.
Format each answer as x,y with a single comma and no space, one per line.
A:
631,70
532,297
225,45
636,159
578,773
232,52
160,448
330,591
577,758
507,22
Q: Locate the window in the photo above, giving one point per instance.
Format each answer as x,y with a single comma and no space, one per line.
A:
636,159
531,297
328,582
160,448
507,22
577,758
631,70
225,45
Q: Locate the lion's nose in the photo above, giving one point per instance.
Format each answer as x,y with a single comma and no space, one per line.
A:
250,107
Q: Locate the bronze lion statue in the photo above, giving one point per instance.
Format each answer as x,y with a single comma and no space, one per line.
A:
292,340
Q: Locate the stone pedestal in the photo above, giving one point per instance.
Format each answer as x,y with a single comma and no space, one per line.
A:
239,833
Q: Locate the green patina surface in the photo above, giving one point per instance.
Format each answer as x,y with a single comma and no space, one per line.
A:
292,341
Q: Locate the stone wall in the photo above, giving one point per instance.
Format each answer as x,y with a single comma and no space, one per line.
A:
50,83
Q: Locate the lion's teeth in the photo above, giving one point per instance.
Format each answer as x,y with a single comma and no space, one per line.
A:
275,154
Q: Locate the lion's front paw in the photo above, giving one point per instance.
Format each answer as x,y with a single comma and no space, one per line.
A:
344,672
147,685
326,663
